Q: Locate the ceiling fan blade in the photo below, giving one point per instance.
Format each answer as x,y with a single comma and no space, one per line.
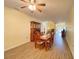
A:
39,8
24,0
32,1
23,6
41,4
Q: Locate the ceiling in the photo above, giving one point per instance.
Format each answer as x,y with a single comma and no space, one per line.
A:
56,10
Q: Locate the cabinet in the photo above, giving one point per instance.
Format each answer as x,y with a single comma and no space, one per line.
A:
33,26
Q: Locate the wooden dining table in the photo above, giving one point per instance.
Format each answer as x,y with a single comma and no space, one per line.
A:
45,37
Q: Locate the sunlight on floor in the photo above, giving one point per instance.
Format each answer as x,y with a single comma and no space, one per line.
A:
58,39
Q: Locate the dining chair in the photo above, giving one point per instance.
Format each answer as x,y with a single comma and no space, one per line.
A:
49,42
38,42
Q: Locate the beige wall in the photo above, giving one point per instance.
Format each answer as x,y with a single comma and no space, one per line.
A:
70,31
16,28
51,25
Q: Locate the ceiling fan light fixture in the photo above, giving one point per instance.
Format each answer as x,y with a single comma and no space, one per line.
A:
32,7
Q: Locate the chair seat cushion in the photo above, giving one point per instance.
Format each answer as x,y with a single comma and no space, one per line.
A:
48,41
40,42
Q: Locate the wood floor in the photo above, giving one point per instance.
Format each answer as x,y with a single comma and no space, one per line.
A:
28,51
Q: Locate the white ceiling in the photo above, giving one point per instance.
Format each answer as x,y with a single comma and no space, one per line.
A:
56,10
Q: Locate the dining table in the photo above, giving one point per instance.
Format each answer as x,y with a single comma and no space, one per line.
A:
45,37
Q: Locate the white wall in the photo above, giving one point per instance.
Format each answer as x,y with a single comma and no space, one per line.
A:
61,26
47,25
44,26
16,28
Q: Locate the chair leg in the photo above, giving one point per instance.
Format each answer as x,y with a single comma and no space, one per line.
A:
48,45
35,45
41,46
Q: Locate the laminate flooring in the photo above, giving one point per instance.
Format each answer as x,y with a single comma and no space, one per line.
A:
59,50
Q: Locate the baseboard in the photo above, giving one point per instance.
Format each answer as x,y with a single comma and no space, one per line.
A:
15,46
68,47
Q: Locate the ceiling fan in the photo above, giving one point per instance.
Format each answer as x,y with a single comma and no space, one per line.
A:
32,5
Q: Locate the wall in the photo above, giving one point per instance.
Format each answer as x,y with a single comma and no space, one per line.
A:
44,26
51,25
70,31
61,26
16,28
47,25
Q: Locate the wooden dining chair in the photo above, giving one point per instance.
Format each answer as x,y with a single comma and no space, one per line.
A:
49,42
38,42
